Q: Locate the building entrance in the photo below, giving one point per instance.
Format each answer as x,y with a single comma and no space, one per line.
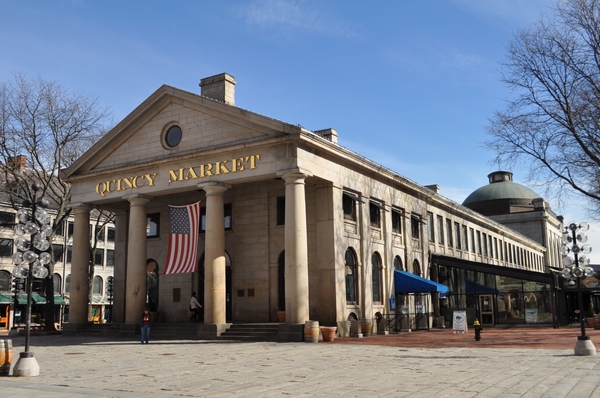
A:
486,309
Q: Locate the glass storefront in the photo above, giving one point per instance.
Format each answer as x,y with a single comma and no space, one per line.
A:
494,299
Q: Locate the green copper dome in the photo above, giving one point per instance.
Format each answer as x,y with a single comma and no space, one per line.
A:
500,196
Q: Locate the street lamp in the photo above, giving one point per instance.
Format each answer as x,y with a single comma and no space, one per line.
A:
30,263
577,268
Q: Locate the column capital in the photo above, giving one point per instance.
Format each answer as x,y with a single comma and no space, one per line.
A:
137,199
214,188
80,207
291,175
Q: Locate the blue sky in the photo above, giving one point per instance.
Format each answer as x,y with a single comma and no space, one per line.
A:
408,84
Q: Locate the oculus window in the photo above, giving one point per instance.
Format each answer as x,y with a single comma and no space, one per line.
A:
173,136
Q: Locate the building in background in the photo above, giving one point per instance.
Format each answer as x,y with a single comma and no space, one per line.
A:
62,250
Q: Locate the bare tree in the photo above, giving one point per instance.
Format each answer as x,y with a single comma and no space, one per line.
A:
553,122
101,218
43,129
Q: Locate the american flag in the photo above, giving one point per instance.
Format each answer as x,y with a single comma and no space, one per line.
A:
182,254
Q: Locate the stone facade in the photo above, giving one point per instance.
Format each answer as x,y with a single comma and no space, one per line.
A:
335,201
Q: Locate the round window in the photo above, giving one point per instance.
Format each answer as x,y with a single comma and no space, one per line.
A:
173,136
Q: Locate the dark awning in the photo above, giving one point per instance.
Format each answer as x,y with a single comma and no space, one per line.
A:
406,282
35,299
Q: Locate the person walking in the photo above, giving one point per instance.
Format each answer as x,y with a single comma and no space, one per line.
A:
195,307
146,322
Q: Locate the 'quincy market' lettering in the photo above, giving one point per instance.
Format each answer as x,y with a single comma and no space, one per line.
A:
182,174
122,184
214,169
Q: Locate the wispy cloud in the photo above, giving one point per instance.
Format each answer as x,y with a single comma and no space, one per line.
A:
434,58
294,17
519,11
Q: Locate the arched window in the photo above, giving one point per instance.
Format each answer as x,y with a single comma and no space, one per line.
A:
68,284
57,285
376,277
4,281
398,263
417,268
97,285
351,276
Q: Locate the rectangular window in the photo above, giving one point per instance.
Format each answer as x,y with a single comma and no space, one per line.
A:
440,230
349,205
99,257
281,210
7,220
496,248
490,246
449,231
100,233
59,228
465,237
153,225
414,227
397,221
430,228
110,258
375,214
478,242
58,253
457,235
6,247
227,215
485,248
110,234
472,239
69,254
70,228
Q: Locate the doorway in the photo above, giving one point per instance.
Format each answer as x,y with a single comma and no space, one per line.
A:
486,309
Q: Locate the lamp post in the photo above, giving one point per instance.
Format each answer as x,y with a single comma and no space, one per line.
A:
577,267
29,263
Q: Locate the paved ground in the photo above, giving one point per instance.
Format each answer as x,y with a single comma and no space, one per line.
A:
517,362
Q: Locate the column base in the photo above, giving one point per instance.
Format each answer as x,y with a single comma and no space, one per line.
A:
26,365
585,347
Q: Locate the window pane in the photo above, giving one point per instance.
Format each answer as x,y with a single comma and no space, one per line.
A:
6,247
375,276
153,225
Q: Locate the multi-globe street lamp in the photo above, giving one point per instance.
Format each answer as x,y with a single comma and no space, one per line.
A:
577,267
30,261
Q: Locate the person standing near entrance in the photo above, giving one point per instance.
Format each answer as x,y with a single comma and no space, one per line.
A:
195,307
146,322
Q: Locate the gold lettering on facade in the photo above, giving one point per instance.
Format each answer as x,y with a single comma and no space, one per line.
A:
221,167
193,172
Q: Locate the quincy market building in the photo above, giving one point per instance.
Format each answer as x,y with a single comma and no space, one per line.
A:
292,221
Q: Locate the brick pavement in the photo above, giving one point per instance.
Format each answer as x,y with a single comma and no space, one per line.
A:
433,363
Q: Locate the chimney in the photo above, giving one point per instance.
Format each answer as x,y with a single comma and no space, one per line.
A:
219,87
18,162
330,134
434,187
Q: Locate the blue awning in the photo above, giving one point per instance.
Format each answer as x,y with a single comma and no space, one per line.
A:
406,282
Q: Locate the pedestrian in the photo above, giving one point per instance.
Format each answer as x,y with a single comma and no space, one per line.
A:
146,322
195,307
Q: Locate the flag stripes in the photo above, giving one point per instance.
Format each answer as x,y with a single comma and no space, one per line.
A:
182,252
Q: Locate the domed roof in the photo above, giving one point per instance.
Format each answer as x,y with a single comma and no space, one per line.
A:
500,195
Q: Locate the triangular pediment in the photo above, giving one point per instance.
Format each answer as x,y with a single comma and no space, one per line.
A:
206,125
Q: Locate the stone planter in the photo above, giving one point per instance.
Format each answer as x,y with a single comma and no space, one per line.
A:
281,316
328,332
590,321
366,326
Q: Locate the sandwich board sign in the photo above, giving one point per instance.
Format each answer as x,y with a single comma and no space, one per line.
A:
459,322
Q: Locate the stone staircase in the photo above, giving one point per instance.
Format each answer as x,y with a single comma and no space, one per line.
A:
251,332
